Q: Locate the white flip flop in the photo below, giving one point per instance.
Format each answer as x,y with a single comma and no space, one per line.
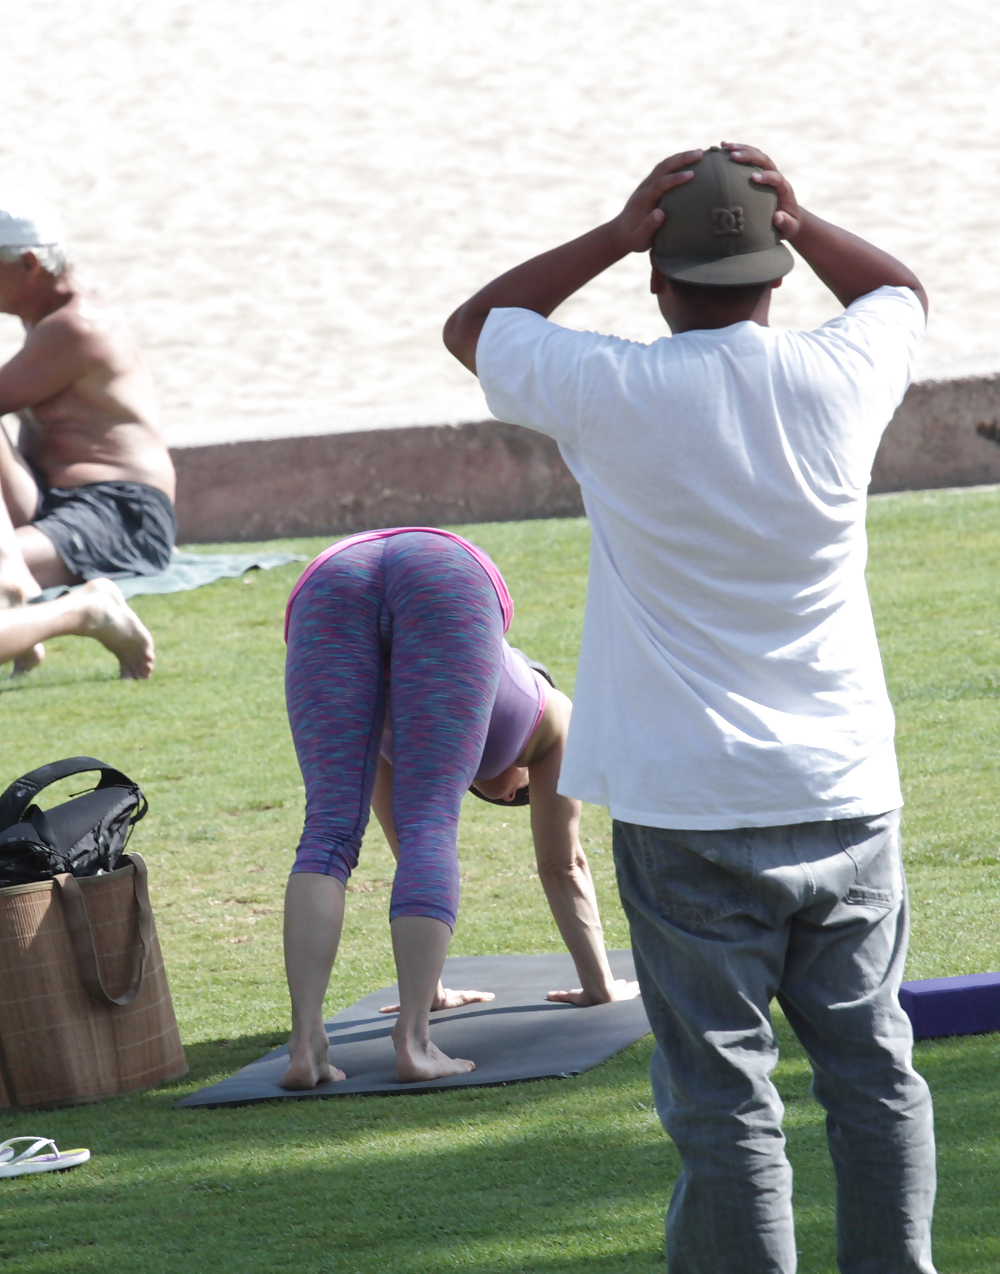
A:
13,1164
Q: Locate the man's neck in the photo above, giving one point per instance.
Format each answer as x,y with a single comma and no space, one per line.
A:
708,316
49,294
709,308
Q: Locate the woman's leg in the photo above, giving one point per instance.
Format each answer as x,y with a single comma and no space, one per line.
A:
334,682
17,584
314,916
419,945
446,641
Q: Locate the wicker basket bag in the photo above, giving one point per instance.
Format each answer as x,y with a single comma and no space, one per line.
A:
85,1010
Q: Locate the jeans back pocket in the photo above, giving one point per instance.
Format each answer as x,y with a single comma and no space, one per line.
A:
872,844
699,876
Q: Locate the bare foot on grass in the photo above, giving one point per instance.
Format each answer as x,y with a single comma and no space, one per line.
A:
28,659
415,1061
309,1065
110,620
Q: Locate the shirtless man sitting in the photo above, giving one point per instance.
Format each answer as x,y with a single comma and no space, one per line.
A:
89,489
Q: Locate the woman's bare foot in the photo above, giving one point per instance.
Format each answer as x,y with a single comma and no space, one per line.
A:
422,1061
308,1065
110,620
28,659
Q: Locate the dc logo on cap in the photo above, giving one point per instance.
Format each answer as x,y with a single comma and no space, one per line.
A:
727,221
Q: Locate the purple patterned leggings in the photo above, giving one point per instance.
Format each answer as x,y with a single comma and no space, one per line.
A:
426,601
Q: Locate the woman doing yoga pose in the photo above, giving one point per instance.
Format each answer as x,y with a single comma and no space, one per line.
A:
402,693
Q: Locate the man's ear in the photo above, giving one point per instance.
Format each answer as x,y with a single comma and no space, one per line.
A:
776,283
29,261
656,279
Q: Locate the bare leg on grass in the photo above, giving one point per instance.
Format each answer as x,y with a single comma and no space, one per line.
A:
314,917
420,945
96,610
17,584
17,483
28,558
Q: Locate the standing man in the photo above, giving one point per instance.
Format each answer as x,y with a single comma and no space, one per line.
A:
89,489
730,706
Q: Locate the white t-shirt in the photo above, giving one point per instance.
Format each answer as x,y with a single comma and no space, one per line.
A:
729,672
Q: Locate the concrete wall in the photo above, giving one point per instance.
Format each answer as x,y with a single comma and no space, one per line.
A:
420,476
428,475
932,441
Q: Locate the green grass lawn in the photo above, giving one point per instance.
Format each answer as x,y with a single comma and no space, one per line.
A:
548,1177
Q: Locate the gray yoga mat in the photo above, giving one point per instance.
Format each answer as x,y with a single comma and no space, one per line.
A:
187,571
520,1035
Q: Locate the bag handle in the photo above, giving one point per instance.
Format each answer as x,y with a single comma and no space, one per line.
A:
82,935
23,791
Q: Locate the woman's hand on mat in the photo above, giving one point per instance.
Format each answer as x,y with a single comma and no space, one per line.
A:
620,990
639,220
445,998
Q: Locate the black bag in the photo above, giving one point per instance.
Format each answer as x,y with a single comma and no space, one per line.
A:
84,836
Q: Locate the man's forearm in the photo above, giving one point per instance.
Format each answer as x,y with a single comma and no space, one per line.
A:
546,281
849,266
540,284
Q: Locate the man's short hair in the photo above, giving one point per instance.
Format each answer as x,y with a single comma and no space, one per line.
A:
748,293
52,257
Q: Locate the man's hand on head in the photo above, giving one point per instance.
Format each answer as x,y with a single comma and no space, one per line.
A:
788,214
639,220
544,282
848,265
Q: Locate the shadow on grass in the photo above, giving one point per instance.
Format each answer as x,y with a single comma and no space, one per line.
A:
483,1179
212,1060
541,1178
56,680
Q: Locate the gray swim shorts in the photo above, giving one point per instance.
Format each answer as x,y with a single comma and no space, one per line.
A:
114,529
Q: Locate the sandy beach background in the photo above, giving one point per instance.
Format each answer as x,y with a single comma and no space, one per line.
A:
289,198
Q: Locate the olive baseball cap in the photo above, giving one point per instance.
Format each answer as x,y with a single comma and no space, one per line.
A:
719,227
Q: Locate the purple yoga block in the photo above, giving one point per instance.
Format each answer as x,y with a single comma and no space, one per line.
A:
969,1005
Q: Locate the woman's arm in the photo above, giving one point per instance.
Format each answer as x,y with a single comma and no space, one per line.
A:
565,874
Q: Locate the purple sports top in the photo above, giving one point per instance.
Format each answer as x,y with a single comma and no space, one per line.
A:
516,713
521,694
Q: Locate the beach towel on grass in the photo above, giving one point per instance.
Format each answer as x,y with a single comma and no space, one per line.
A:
187,571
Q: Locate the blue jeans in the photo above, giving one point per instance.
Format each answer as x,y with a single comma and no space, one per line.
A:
814,915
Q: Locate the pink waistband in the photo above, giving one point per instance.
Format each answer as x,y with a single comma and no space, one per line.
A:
496,579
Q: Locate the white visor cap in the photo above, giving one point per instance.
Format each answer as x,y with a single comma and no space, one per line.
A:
27,220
